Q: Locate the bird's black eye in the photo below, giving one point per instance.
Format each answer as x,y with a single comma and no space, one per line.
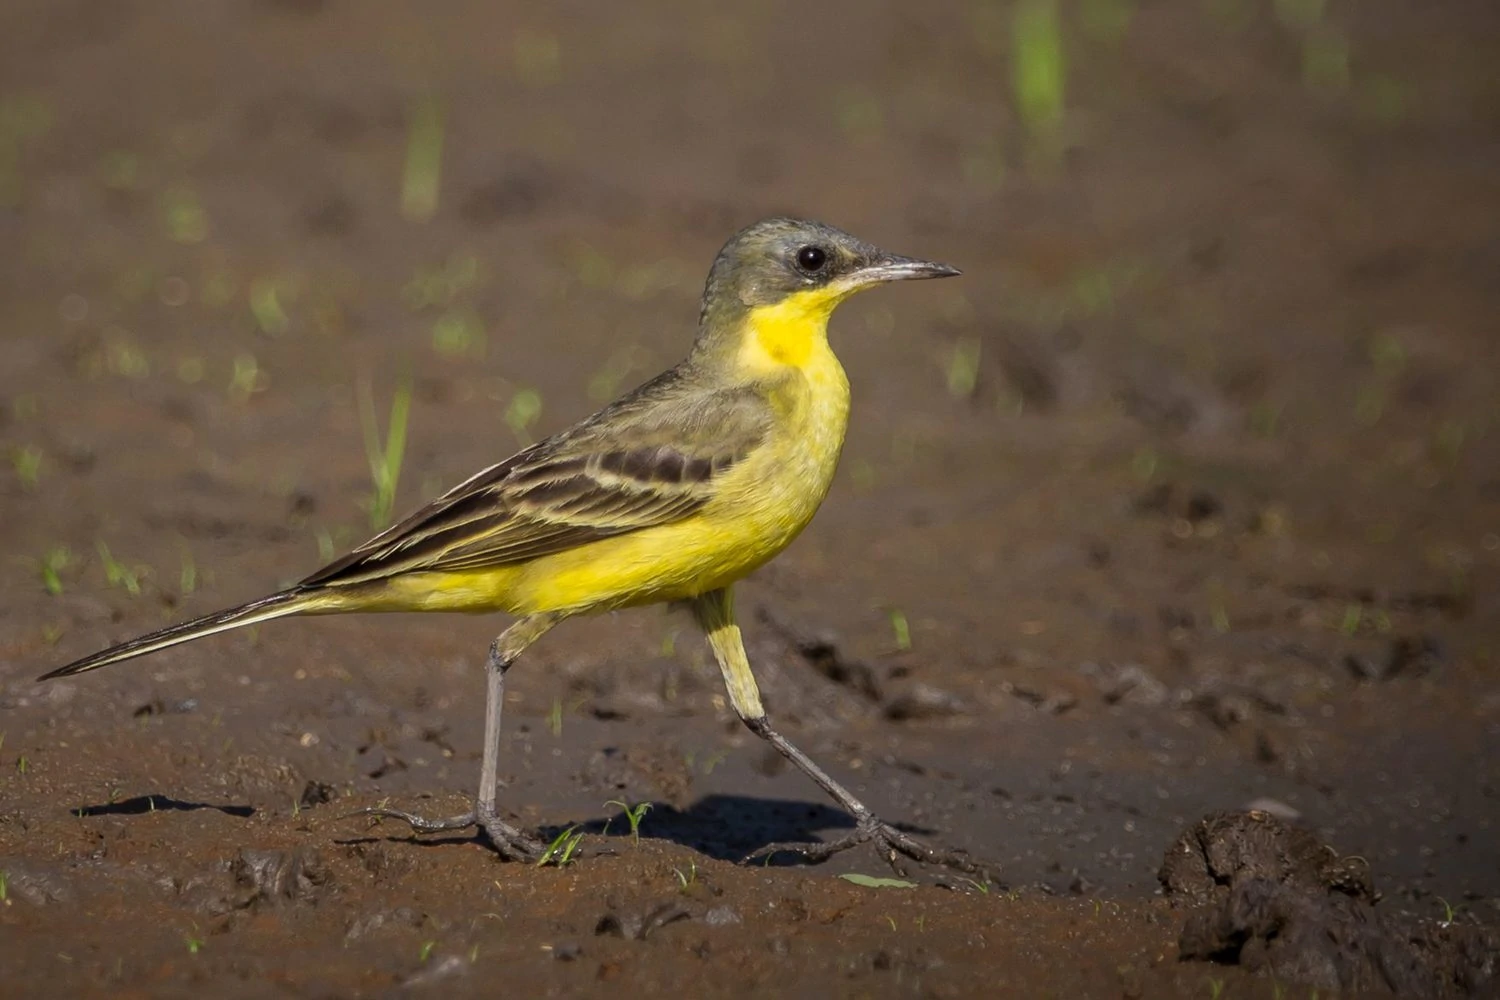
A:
811,259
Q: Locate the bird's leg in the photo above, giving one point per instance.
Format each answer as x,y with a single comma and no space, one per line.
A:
715,613
507,840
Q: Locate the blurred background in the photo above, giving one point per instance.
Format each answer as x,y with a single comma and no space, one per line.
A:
1186,495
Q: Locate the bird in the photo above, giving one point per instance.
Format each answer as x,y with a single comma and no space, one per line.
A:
670,494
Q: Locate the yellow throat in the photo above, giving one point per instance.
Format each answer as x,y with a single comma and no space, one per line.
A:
792,333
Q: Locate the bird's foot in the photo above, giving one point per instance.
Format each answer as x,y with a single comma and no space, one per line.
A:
509,842
890,843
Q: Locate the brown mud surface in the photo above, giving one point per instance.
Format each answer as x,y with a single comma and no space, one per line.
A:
1185,498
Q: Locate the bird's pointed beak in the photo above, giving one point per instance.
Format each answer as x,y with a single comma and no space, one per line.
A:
891,267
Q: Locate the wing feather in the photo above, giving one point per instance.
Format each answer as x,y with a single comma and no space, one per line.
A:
653,458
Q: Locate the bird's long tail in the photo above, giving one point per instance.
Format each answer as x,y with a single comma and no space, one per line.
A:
288,602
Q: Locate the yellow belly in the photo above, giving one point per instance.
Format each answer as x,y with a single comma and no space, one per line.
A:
667,563
762,504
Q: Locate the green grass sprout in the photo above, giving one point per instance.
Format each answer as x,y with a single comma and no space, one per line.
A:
385,459
459,333
633,815
560,851
27,461
246,378
524,409
265,306
118,574
1039,68
187,578
901,628
52,564
421,179
963,368
184,216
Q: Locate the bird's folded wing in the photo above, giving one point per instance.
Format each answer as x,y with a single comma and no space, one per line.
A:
591,484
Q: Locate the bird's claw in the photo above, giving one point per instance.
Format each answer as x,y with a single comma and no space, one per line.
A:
509,842
890,843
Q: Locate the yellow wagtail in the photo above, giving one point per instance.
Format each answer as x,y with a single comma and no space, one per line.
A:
671,493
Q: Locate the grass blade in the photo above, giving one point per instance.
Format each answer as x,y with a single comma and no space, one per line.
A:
876,882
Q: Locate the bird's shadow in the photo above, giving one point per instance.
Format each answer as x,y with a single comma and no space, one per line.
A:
727,827
724,827
157,803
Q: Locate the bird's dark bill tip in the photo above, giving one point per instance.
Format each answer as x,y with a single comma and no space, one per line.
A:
894,268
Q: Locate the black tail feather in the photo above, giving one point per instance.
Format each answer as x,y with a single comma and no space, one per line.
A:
287,602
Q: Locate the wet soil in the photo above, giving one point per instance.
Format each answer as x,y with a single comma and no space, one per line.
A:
1185,498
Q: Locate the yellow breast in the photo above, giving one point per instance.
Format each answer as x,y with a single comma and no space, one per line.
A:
763,502
782,484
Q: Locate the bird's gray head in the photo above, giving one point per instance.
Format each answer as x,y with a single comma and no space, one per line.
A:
768,262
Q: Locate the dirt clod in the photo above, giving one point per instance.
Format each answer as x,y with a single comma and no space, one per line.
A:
400,918
1223,849
924,701
277,877
36,883
1273,898
1336,941
637,925
1405,656
316,793
437,970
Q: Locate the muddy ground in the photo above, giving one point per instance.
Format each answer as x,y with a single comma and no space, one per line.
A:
1186,497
